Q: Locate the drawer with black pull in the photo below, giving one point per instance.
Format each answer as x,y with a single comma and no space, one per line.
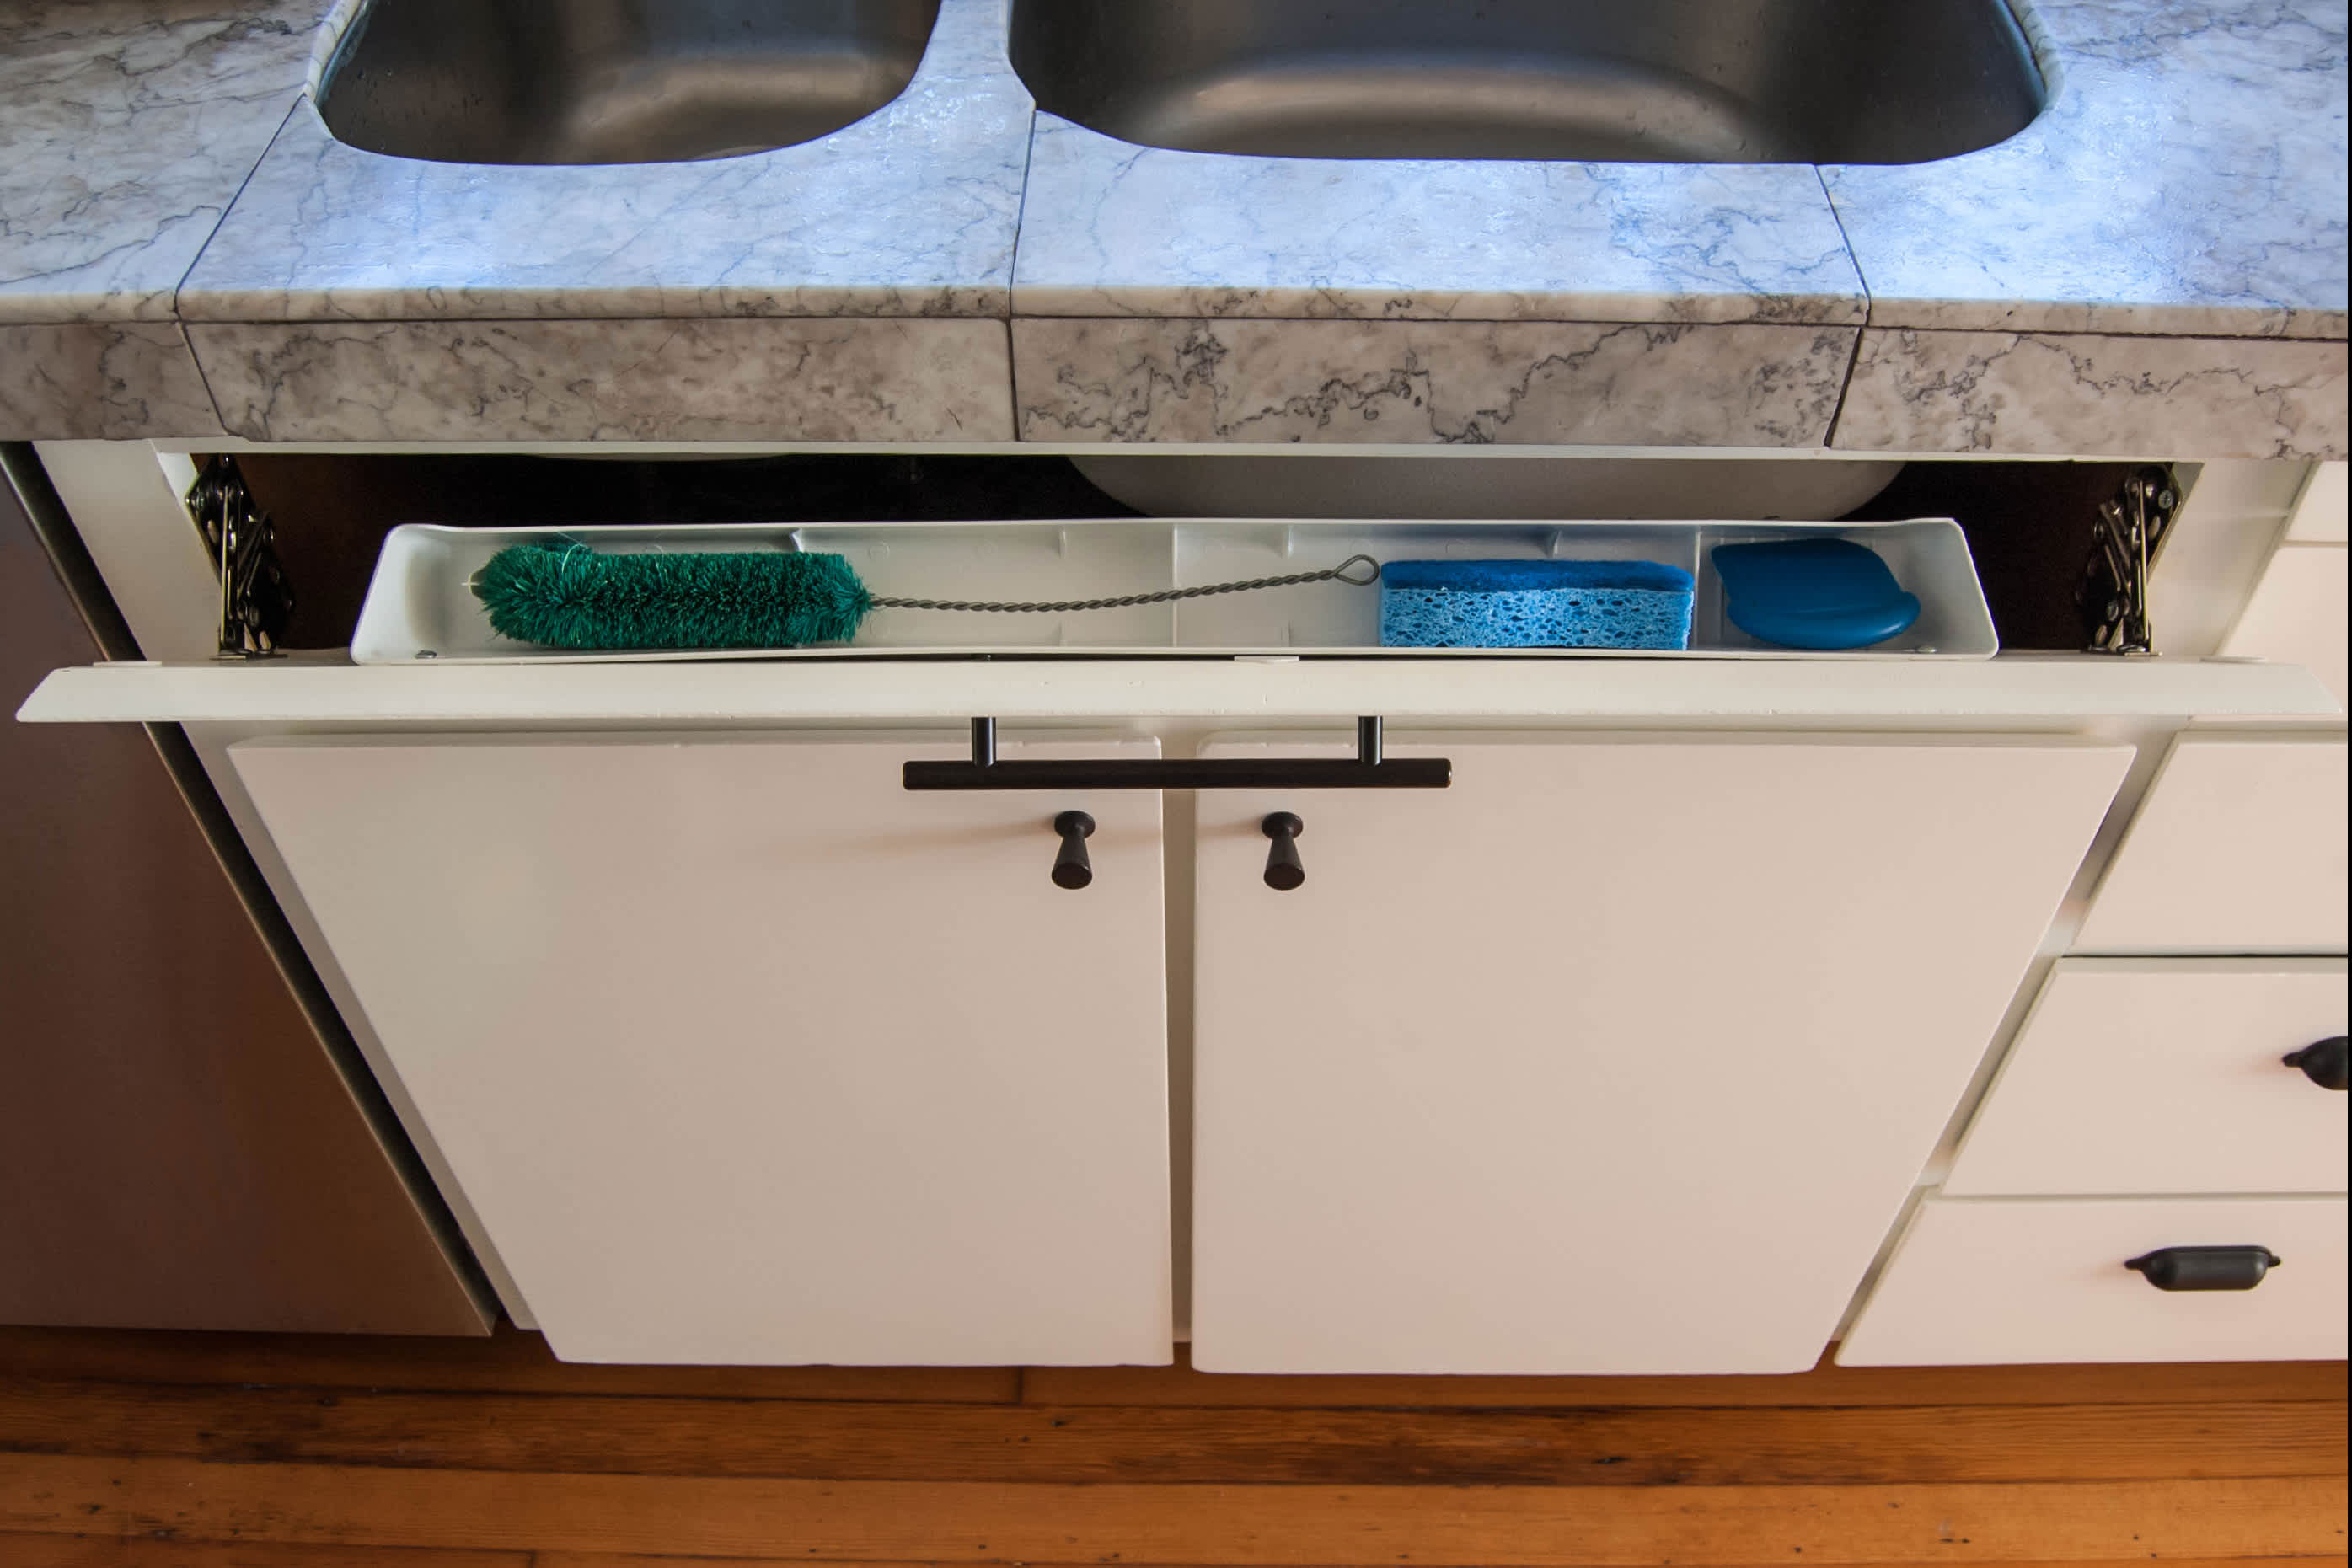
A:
2004,1281
2168,1075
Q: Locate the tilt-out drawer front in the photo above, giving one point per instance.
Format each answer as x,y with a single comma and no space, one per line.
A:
2168,1075
1979,1282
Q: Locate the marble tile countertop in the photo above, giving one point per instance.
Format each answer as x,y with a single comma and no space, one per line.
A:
2186,178
910,212
2158,262
127,127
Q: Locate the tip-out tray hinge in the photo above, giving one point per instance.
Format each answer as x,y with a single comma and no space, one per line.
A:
256,598
2127,537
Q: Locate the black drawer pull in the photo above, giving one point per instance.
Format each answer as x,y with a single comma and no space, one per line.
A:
2205,1268
1284,869
2321,1061
1072,869
1368,769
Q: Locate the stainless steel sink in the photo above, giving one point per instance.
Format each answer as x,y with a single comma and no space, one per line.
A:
1682,82
615,81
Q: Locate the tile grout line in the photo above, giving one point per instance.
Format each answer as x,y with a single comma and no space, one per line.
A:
1837,415
1012,308
178,314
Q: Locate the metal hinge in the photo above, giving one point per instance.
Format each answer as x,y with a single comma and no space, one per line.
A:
2125,539
256,599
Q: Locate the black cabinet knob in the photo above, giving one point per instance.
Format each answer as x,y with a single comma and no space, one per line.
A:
2321,1061
1283,870
2205,1268
1072,869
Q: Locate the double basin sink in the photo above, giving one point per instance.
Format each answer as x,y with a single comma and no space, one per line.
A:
1681,81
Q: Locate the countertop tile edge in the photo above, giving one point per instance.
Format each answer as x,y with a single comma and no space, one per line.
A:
682,379
2064,394
1136,380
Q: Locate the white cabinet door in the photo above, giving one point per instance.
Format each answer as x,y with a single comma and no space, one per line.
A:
745,1054
1620,1055
2239,848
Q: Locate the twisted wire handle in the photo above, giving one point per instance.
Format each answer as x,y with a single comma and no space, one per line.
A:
1336,574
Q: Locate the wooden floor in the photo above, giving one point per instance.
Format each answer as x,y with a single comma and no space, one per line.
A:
237,1451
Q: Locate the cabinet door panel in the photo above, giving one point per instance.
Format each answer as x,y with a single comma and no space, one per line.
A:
1620,1055
744,1053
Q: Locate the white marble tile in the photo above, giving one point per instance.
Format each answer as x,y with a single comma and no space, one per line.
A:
1751,384
1113,229
100,381
126,126
731,379
2186,177
2058,395
909,212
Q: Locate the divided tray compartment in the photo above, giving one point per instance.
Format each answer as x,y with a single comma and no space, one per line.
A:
420,606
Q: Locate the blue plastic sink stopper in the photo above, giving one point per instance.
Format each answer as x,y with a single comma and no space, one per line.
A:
1818,595
1633,604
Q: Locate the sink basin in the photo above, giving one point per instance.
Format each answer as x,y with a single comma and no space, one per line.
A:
615,81
1680,81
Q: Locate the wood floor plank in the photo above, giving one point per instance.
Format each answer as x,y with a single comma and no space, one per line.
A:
1503,1527
510,1361
513,1361
2138,1384
612,1560
148,1551
815,1440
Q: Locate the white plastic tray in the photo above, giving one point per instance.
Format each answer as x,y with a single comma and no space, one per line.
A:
420,606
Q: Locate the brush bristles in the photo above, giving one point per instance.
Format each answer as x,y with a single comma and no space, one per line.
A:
561,595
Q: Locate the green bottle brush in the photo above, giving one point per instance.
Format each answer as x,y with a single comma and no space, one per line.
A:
558,594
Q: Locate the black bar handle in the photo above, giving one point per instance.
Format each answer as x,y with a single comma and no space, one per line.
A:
1284,869
1185,773
2321,1061
2205,1268
1072,869
1368,769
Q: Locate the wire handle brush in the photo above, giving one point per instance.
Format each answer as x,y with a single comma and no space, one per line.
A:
558,594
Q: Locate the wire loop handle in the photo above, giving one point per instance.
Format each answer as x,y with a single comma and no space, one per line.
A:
1336,574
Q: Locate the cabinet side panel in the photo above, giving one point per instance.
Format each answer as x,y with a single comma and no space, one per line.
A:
176,1150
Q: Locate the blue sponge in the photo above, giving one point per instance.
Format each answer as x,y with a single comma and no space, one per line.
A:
1825,595
1535,604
